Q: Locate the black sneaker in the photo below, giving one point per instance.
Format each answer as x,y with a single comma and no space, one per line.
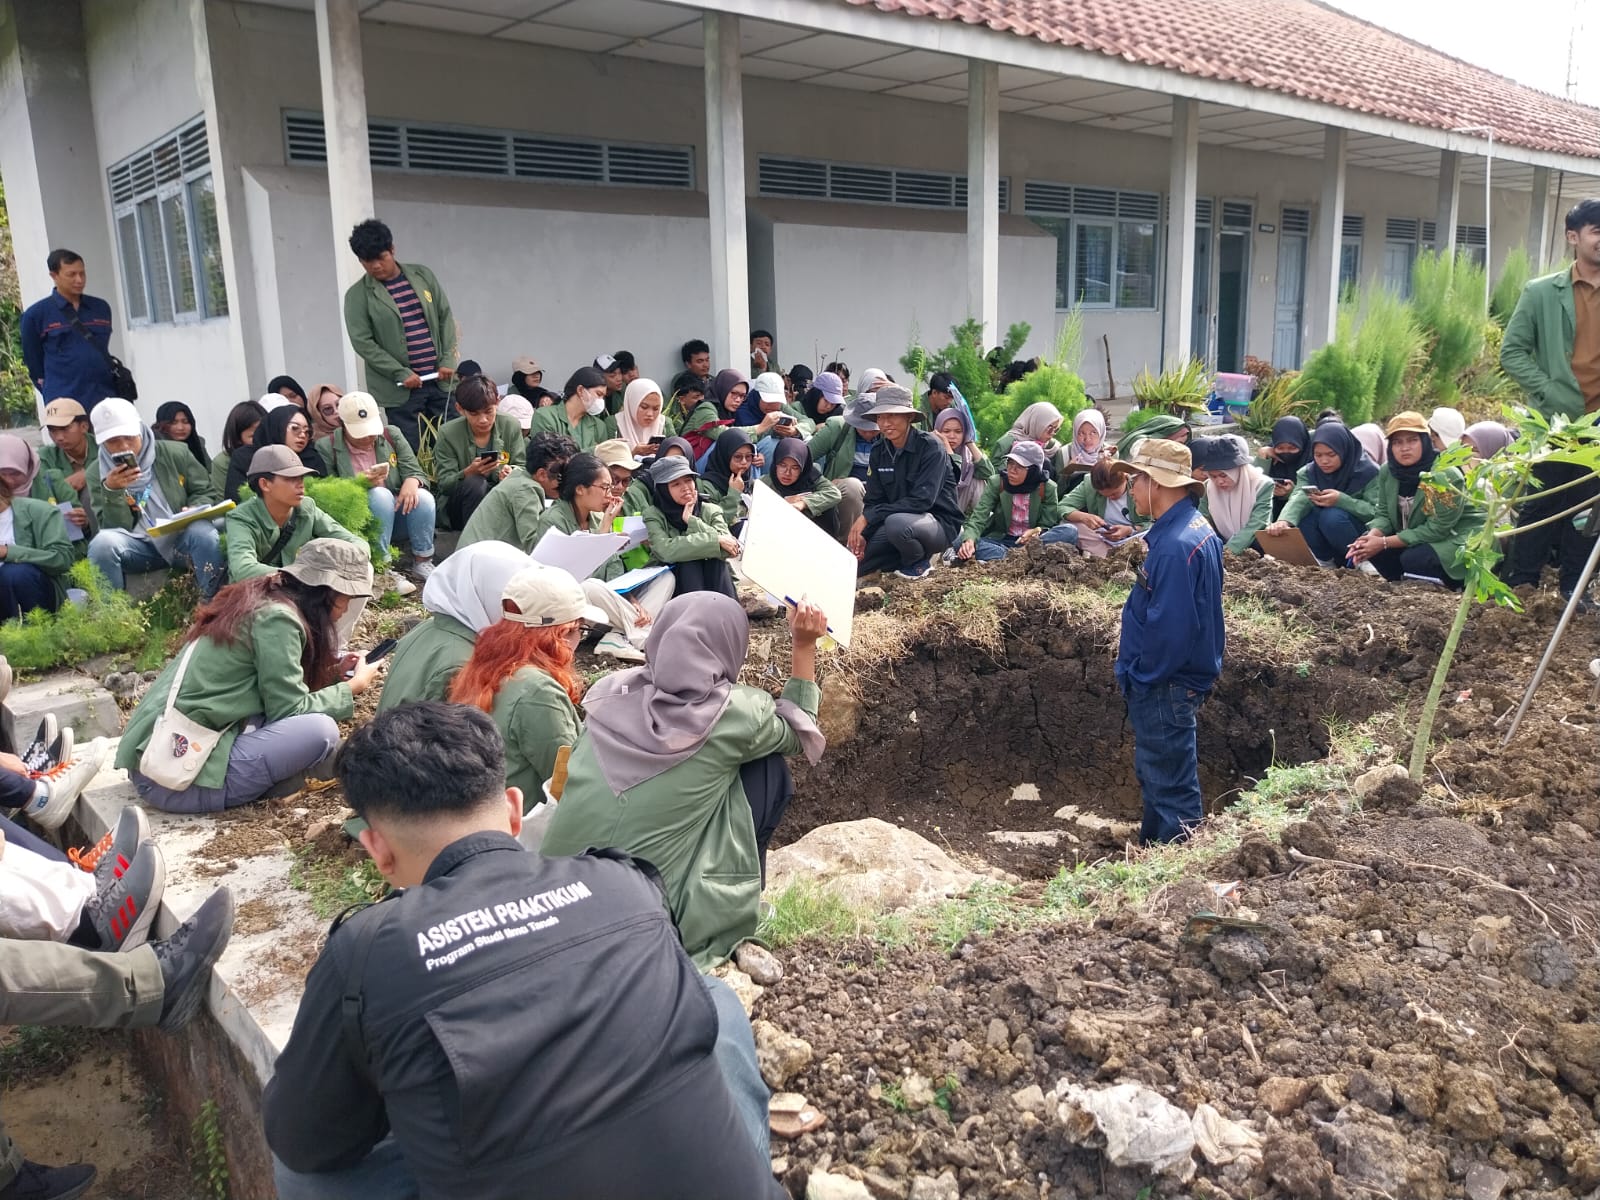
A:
125,905
35,1181
186,959
50,745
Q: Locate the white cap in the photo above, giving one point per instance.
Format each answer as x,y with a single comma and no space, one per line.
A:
114,417
272,400
547,596
605,362
770,385
513,405
361,415
1448,424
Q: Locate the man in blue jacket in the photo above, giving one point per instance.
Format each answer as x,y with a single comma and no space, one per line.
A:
66,337
1172,637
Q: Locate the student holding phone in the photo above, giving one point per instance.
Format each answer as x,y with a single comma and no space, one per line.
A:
641,423
1335,496
476,450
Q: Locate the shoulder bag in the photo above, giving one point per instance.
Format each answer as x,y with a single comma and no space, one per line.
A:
121,377
178,747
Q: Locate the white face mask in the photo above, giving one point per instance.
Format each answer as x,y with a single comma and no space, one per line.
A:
595,405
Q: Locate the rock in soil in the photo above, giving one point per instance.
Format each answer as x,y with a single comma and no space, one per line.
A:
943,1188
869,863
1470,1108
759,963
1282,1095
1485,1182
1293,1162
1310,837
781,1056
825,1186
1239,957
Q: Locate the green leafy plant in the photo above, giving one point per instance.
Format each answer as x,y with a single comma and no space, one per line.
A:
1447,300
1390,341
427,437
1335,376
1137,418
208,1157
1276,398
1514,275
1055,385
1179,390
106,621
16,391
345,500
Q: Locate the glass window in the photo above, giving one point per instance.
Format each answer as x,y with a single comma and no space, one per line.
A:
1136,264
132,267
1349,265
1397,260
180,258
155,259
1091,282
203,205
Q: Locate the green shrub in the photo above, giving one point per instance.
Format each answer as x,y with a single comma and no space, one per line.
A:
1276,398
1055,385
107,621
1178,391
1137,418
1514,276
1389,340
345,500
1336,377
1447,296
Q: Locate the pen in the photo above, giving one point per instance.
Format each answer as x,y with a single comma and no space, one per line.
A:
790,600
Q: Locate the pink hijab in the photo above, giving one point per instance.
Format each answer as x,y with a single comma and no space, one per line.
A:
17,455
1373,441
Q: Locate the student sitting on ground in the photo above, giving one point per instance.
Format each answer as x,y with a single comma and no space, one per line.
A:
1098,502
322,406
683,766
842,447
820,399
587,503
138,480
767,398
619,460
512,511
623,1074
582,414
799,481
1238,496
639,494
269,529
725,476
365,448
1088,444
641,423
260,668
687,532
462,599
719,412
1016,507
238,430
476,450
1417,530
1038,423
285,425
1289,451
175,422
1335,495
35,554
1162,425
64,464
522,672
971,467
910,512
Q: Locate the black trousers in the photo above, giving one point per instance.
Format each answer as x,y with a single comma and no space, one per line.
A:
705,575
465,497
769,787
1530,551
1421,559
429,401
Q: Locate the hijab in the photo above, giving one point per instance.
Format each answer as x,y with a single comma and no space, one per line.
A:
719,466
1230,510
272,431
278,382
1094,418
667,443
1355,471
1409,477
647,720
467,586
17,455
725,381
1033,422
629,428
750,411
1488,437
1292,430
197,444
811,403
670,509
320,426
968,486
871,378
810,474
1373,441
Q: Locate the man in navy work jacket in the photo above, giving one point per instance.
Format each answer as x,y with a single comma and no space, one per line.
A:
61,360
1172,637
508,1025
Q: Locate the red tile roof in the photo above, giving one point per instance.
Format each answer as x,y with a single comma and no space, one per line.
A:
1297,47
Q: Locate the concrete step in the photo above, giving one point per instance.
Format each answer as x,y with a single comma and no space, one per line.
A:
77,700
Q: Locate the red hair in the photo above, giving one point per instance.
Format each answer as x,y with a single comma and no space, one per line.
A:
505,648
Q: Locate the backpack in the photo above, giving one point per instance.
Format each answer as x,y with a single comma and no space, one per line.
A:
701,440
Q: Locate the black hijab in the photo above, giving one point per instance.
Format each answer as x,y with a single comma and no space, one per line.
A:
810,473
1410,477
1355,471
670,508
1035,477
197,444
272,431
1292,430
719,467
666,444
278,382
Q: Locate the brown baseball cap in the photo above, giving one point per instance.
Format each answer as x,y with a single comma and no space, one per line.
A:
62,412
277,460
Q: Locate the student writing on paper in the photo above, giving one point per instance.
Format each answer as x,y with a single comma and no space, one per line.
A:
587,503
35,554
801,483
267,531
1238,496
1099,503
685,767
1335,495
687,531
513,509
1016,507
137,480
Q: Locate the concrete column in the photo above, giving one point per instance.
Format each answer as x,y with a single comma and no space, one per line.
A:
1322,316
1183,187
725,189
1539,219
983,196
1449,211
344,123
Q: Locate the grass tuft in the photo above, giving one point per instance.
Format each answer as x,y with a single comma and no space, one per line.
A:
333,886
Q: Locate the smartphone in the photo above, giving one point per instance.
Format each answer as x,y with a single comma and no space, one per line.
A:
656,441
489,453
381,651
126,459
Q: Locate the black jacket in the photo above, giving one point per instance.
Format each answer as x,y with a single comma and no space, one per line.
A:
916,480
526,1026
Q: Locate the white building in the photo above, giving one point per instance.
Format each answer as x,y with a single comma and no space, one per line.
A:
589,175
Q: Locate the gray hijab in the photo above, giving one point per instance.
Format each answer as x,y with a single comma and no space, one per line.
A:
646,721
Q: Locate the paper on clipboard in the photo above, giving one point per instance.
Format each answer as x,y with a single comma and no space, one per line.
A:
74,533
787,555
632,580
1288,545
579,554
182,520
1091,543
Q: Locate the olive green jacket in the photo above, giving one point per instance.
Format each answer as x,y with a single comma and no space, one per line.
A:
402,461
589,432
454,449
426,660
1361,505
536,718
257,675
182,480
705,413
1443,520
41,541
219,475
1537,349
728,501
691,822
561,515
378,336
252,533
1083,498
50,487
823,498
991,516
510,513
833,448
1260,518
698,541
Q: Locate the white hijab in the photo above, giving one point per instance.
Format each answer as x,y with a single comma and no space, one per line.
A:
467,586
1092,418
629,427
1230,510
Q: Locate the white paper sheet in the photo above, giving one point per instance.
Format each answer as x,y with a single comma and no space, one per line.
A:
636,578
578,553
74,533
788,556
634,528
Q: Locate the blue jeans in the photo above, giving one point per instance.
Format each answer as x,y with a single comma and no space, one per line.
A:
115,551
419,521
1166,758
1065,534
991,549
384,1175
1329,532
24,586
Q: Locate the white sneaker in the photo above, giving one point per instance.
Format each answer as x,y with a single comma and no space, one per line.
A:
421,568
398,584
1366,568
618,647
63,784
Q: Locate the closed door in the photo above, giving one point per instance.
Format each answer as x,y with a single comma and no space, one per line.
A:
1290,303
1233,274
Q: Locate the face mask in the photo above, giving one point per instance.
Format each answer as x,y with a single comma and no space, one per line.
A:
594,405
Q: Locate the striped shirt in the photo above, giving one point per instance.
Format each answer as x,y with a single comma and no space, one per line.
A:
421,354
